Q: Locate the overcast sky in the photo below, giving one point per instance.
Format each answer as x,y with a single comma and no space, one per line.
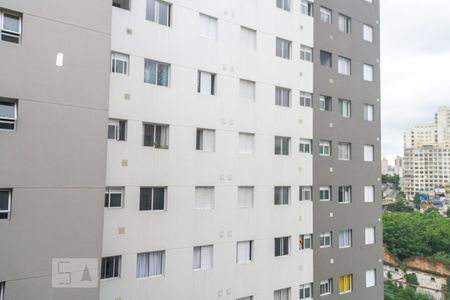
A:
415,66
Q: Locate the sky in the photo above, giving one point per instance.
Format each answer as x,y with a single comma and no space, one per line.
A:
415,67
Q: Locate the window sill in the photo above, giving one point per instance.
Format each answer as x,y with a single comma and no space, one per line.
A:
149,277
109,279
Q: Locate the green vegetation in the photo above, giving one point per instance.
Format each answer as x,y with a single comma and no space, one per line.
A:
395,180
411,278
391,292
415,234
448,213
417,201
400,196
399,206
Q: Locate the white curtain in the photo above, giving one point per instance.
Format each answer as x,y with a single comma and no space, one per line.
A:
204,197
344,66
370,235
368,33
248,38
243,252
206,83
345,238
369,194
208,140
368,112
368,72
370,278
282,294
245,196
208,27
156,263
246,143
197,258
142,268
368,153
206,257
247,90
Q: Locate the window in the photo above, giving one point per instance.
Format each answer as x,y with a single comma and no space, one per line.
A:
281,195
368,33
325,193
244,252
110,267
119,63
306,7
326,287
11,26
208,27
283,294
369,193
282,96
345,238
368,72
344,66
306,53
370,235
345,108
368,152
325,15
5,203
152,198
345,24
248,38
284,4
124,4
325,148
246,143
283,48
156,135
246,196
247,90
150,264
206,83
2,290
305,193
113,196
325,103
368,112
159,12
306,99
204,197
8,114
305,242
282,145
345,194
205,140
117,130
156,73
371,278
305,146
344,151
282,246
203,257
345,284
325,239
326,58
370,1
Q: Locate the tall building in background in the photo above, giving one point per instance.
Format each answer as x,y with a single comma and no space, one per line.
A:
54,86
427,155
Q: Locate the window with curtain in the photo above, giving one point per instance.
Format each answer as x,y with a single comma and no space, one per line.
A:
5,203
325,148
152,198
368,72
204,197
11,26
281,195
283,294
344,66
345,238
156,73
306,7
325,103
284,4
345,23
205,140
305,242
156,135
206,83
113,196
282,246
8,114
247,90
305,146
369,193
368,33
325,239
306,53
246,196
282,145
368,152
370,235
283,48
203,257
345,283
325,193
345,194
368,112
244,252
345,108
325,15
305,193
326,287
246,143
119,63
208,27
248,38
110,267
150,264
306,99
282,96
305,292
117,129
159,12
326,58
344,151
371,278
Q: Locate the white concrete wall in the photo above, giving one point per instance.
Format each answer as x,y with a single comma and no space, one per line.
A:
178,229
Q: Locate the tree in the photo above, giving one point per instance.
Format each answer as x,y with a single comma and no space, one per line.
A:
394,180
392,292
448,212
411,278
399,206
417,201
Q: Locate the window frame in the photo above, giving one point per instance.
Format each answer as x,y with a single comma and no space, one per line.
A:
305,146
307,8
280,100
348,238
9,121
323,146
116,123
372,153
371,241
344,278
249,137
323,190
371,70
249,254
303,191
158,64
283,192
306,53
210,20
284,5
116,270
9,33
306,99
281,245
373,273
347,112
372,191
212,88
348,65
162,253
323,101
201,266
252,189
341,151
282,151
324,236
342,192
200,144
325,12
156,15
118,56
246,32
328,283
114,190
368,27
369,111
302,242
211,192
152,199
8,211
282,46
345,27
164,129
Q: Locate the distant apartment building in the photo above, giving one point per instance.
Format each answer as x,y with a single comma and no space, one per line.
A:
385,168
398,167
427,155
